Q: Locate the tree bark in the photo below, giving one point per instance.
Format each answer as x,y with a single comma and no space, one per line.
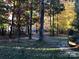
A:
12,23
30,22
41,20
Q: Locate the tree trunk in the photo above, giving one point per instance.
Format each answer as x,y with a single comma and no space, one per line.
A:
41,20
12,23
18,19
30,22
50,18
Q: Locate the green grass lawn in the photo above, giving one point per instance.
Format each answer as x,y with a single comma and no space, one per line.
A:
26,44
31,50
33,53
